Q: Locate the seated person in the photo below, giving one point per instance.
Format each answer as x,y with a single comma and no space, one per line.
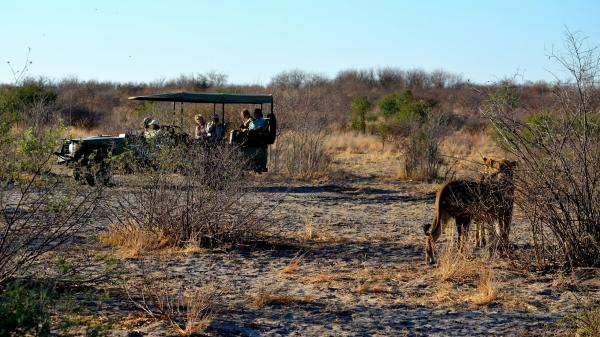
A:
215,128
200,127
146,122
247,119
152,129
258,122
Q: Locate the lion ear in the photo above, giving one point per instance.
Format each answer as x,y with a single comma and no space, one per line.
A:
488,162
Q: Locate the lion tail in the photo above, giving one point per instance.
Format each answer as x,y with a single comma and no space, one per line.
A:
435,228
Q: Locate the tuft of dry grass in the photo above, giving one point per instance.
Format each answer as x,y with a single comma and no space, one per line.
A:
459,264
465,278
487,289
264,298
311,233
321,278
132,240
293,265
200,311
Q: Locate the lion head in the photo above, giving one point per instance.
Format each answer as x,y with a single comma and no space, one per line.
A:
499,170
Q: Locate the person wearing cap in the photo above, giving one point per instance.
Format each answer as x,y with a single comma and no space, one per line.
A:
147,121
152,130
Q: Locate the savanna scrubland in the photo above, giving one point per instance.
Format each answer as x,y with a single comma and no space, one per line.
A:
330,240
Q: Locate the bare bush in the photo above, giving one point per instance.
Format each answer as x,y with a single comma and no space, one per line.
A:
39,214
188,309
423,159
557,185
194,194
300,150
302,154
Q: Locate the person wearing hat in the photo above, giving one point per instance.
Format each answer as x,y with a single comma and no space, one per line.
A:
152,130
147,121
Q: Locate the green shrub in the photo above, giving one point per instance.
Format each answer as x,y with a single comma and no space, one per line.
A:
34,149
39,308
404,107
24,310
538,124
15,101
360,106
383,131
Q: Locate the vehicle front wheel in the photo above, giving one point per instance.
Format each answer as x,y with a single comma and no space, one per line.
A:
89,178
77,174
103,176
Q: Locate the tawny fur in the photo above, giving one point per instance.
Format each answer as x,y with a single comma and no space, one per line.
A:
488,201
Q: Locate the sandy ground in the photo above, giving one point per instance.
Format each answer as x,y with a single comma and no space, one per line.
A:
361,272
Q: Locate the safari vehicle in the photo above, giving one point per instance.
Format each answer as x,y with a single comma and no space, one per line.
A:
89,156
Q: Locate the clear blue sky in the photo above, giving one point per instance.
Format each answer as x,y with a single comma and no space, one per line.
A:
253,40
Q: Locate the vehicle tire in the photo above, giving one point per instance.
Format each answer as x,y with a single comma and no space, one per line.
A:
89,178
77,174
102,176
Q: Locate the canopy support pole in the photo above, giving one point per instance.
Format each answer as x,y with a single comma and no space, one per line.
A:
174,112
223,113
181,116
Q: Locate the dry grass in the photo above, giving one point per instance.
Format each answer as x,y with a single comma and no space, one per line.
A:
366,288
131,240
487,289
456,264
73,131
264,298
462,153
585,323
321,278
163,296
466,278
310,232
355,143
470,145
200,311
419,175
293,265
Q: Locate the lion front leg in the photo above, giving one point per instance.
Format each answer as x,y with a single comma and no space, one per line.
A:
504,231
480,235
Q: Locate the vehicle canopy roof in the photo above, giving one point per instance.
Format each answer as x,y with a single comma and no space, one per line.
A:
205,97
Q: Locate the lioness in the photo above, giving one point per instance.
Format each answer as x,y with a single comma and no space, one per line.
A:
486,201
